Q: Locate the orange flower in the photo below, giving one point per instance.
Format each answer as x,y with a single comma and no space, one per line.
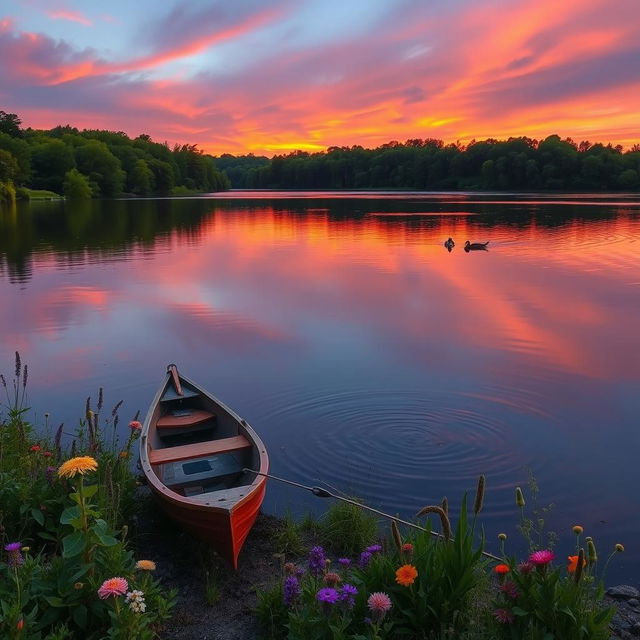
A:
573,564
406,575
502,569
80,465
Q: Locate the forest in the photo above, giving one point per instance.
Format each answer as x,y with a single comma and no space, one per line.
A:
97,163
518,164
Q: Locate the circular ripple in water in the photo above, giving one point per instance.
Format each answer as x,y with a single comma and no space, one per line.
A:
395,448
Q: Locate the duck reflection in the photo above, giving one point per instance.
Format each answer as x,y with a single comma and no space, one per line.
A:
449,244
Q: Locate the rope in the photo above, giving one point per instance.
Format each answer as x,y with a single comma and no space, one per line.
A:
324,493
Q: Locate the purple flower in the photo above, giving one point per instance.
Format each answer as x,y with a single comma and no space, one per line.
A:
374,548
14,558
328,595
345,562
510,590
291,590
365,556
316,561
347,595
50,473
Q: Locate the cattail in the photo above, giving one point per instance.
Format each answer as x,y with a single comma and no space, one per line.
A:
519,497
25,376
591,552
579,567
18,365
137,416
73,449
396,535
58,438
3,381
445,505
115,409
87,407
100,399
477,505
444,519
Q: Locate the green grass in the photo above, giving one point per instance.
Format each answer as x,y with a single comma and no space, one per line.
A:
42,194
347,529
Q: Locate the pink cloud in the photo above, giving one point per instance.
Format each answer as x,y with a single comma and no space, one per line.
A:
72,16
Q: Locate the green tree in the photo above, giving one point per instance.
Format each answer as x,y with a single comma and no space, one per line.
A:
21,151
141,179
10,124
50,161
98,163
76,186
8,166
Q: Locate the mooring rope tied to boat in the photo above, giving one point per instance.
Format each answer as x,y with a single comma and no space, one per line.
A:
324,493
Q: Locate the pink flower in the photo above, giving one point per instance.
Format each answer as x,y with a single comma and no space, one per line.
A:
541,558
135,425
379,603
503,615
525,568
510,590
113,587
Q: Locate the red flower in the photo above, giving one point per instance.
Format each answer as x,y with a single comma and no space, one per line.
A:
503,615
573,564
20,624
47,454
135,425
36,447
502,569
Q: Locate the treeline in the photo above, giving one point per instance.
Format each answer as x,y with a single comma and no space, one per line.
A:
514,164
96,163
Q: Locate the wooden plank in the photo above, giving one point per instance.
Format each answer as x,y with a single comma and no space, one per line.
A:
194,417
197,450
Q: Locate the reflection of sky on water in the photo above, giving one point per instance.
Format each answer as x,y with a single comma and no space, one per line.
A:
357,344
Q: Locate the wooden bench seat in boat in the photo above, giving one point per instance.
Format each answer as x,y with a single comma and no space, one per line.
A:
198,450
184,419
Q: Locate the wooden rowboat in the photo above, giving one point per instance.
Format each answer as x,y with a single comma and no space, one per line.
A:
193,451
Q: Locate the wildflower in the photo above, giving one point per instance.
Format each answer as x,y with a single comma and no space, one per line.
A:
15,558
541,558
136,602
78,585
47,454
519,497
406,575
81,465
510,590
327,597
291,590
525,568
577,529
331,579
113,587
374,548
146,565
35,447
316,560
479,500
379,603
591,552
365,556
502,536
345,562
49,473
289,568
501,569
124,454
504,616
20,624
135,425
407,547
347,595
619,548
573,563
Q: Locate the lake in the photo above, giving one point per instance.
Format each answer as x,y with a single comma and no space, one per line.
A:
366,355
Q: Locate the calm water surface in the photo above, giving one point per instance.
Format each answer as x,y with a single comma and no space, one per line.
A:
365,354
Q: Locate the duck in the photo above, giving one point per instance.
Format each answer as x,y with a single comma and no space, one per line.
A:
475,246
449,244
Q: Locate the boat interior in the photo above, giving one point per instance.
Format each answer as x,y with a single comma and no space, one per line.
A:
196,447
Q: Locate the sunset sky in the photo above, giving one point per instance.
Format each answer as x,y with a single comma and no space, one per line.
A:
272,76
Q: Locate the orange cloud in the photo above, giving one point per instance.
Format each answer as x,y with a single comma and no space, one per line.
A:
72,16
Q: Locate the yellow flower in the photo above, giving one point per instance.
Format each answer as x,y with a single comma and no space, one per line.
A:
406,575
80,465
619,548
146,565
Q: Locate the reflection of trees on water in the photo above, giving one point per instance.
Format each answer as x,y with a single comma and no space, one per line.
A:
78,232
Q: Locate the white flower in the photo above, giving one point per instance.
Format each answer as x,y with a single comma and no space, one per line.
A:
136,601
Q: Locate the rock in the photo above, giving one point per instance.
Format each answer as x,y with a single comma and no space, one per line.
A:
634,602
635,629
619,623
623,591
